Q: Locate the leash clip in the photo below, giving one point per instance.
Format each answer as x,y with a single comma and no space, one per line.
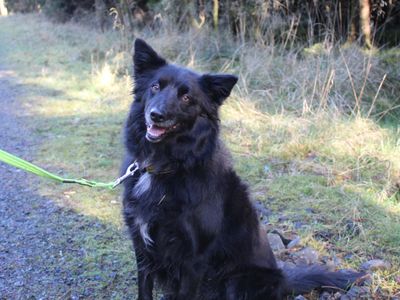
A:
130,171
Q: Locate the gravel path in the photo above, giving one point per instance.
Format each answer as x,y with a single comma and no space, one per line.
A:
32,245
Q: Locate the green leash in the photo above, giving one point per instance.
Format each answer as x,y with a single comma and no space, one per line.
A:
29,167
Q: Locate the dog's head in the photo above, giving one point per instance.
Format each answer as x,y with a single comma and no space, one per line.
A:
174,98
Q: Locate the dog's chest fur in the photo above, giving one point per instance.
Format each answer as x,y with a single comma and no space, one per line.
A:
177,217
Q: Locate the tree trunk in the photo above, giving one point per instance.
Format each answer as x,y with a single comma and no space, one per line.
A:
3,9
128,19
101,11
365,19
354,27
215,13
201,15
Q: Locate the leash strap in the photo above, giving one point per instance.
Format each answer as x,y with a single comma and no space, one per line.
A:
17,162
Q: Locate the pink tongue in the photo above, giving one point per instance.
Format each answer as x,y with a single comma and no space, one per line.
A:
155,130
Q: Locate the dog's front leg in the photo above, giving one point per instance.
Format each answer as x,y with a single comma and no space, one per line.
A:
145,279
189,283
145,285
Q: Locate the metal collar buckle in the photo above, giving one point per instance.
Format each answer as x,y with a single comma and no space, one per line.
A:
130,171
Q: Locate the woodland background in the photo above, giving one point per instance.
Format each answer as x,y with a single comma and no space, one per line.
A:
366,21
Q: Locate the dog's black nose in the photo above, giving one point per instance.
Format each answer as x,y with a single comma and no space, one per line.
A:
156,115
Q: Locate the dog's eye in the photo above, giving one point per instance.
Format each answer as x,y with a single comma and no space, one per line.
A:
186,98
155,87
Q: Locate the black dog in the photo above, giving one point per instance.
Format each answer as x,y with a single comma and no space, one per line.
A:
194,229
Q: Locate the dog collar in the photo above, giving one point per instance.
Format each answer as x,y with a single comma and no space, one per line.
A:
152,170
135,167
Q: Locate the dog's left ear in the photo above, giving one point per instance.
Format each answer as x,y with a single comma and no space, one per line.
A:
145,58
218,86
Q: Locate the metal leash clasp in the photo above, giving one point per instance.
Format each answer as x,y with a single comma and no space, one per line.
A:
130,171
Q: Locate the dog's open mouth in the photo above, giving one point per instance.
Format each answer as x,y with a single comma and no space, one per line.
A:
155,133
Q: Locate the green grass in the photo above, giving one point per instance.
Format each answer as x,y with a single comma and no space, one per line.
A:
293,128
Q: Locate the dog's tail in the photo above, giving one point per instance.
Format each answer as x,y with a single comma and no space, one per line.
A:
303,279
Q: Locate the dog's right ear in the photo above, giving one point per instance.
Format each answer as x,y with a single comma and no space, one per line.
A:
145,58
218,86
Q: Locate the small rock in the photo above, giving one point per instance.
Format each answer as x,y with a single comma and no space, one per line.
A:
358,292
344,297
286,265
298,224
337,295
293,243
289,265
276,242
306,256
337,261
375,264
333,263
325,296
300,297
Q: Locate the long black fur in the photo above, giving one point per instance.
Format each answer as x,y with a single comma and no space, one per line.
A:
194,229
